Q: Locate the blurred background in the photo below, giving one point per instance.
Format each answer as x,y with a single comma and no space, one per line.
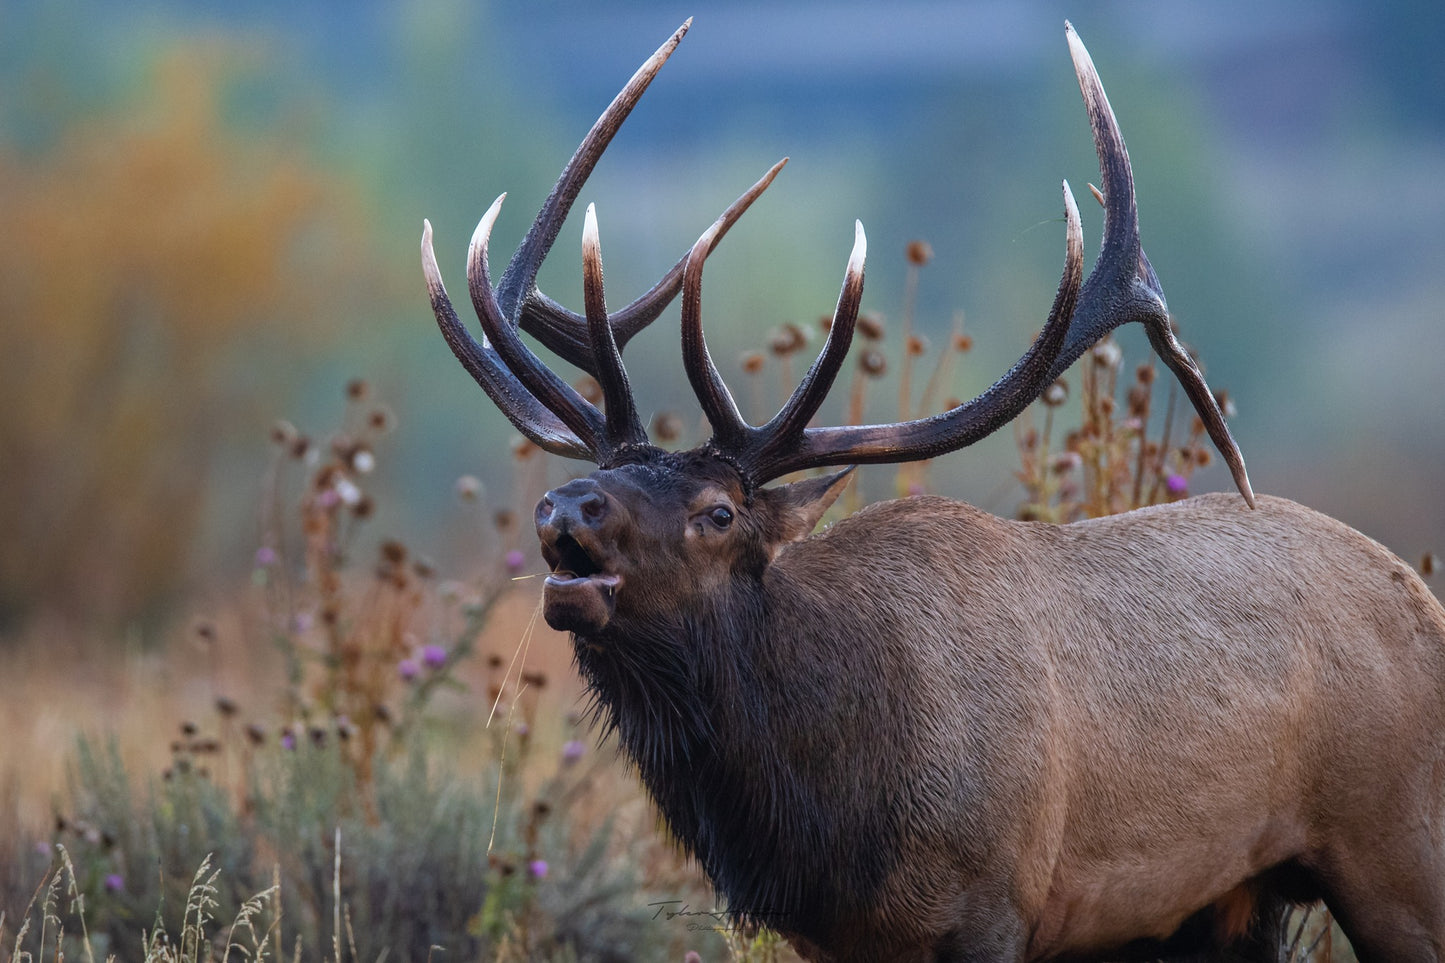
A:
211,214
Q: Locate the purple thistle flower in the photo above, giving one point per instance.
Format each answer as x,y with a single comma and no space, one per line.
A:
42,848
572,750
408,669
265,556
114,882
537,868
433,656
516,561
1177,484
288,740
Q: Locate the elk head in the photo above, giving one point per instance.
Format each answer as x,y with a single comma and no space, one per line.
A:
620,540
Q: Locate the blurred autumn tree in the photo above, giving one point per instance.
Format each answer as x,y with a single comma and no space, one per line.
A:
143,252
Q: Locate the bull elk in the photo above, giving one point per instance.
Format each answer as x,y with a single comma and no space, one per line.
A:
927,733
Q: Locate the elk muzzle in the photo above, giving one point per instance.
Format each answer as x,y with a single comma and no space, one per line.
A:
574,524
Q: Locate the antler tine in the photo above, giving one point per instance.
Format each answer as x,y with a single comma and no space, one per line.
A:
780,433
534,421
960,426
1205,404
1123,287
730,431
623,426
545,385
566,333
1117,291
520,278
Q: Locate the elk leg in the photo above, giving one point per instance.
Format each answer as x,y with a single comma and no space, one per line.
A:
1388,900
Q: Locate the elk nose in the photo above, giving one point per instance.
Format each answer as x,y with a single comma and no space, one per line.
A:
574,505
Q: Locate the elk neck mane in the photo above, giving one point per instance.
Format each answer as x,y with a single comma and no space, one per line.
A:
735,762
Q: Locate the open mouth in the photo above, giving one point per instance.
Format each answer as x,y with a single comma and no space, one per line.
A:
570,561
580,595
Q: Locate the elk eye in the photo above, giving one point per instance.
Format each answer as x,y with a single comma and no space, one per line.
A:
721,517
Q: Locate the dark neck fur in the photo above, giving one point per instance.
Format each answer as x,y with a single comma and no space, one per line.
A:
691,705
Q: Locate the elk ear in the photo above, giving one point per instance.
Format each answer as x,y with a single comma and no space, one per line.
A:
798,507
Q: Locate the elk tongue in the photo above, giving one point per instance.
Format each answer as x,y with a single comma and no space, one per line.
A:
581,604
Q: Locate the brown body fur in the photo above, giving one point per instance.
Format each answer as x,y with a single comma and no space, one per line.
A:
1116,723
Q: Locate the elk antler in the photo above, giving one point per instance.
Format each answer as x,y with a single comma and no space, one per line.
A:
541,406
537,401
1121,288
564,332
1142,298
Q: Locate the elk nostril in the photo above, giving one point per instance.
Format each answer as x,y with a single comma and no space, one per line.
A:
594,506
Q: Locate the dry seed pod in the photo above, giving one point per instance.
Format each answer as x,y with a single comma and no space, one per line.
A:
588,388
666,426
873,363
870,326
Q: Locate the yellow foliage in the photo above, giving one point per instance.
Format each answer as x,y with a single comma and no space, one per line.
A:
137,252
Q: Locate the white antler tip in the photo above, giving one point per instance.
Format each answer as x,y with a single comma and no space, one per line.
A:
1083,63
1070,205
589,228
484,227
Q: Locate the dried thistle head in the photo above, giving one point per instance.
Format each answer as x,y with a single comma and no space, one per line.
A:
872,363
468,488
380,419
787,339
284,434
919,253
588,388
393,552
1138,400
1226,403
1106,354
779,343
870,326
523,448
666,426
752,362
